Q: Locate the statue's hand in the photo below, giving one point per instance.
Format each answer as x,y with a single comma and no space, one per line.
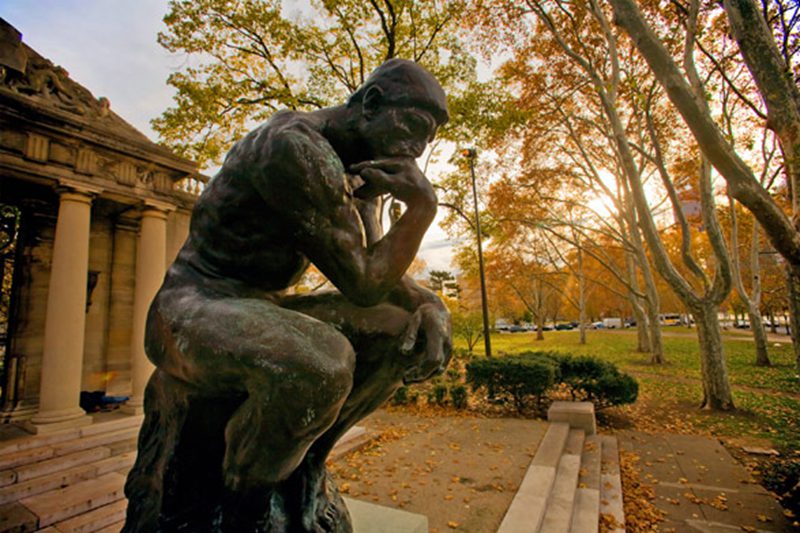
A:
398,176
433,321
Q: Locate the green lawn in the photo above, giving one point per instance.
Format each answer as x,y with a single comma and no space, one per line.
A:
767,399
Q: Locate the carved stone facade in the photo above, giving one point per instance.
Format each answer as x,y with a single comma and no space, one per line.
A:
81,178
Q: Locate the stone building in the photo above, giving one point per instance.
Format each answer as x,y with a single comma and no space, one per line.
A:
91,213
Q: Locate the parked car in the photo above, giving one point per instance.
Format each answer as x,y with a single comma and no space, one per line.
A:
598,325
564,327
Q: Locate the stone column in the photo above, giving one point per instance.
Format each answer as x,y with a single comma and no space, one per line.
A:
62,359
151,251
120,314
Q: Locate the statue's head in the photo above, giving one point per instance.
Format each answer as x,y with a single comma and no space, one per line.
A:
402,106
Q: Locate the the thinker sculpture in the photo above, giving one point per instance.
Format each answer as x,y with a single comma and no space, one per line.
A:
253,387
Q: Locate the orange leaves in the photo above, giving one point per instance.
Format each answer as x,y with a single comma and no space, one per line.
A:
641,515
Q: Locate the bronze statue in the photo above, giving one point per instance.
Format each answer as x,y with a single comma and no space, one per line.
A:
253,387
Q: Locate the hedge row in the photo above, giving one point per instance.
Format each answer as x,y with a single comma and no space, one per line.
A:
529,376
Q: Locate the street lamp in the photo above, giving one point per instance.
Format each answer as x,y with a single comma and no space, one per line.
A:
471,154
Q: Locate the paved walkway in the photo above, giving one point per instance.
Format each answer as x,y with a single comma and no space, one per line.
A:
701,487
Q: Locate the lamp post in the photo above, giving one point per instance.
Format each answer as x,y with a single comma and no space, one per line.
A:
471,154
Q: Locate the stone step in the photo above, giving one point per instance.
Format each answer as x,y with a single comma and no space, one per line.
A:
590,463
64,462
15,518
611,483
558,517
116,463
586,511
123,422
37,441
93,441
552,445
63,478
47,483
12,460
575,440
95,520
527,509
84,496
119,441
20,444
113,528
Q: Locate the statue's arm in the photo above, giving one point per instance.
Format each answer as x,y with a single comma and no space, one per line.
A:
429,313
318,206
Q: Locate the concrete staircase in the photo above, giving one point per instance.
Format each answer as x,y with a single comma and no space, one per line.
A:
572,479
70,481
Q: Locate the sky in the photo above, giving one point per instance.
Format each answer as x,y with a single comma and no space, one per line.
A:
109,47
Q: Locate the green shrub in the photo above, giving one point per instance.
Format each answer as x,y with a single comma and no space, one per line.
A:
517,377
413,397
592,379
453,374
531,375
458,394
440,393
400,396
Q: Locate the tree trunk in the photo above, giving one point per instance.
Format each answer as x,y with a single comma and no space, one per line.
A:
540,320
656,346
642,330
642,333
752,300
759,335
716,389
793,275
581,298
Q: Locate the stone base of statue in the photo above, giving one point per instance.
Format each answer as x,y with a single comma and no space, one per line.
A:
372,518
177,482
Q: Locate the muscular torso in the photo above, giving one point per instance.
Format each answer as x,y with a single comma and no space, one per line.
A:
274,183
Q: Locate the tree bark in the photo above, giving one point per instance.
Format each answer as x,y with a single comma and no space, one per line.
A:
656,346
751,301
581,298
642,330
540,327
794,310
716,388
759,334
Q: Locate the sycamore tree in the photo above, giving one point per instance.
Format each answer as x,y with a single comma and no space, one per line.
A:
564,177
766,35
245,59
581,41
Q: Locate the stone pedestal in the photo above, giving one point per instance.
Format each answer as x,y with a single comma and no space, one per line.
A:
150,266
371,518
65,321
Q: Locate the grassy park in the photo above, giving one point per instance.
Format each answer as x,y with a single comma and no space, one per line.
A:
767,399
